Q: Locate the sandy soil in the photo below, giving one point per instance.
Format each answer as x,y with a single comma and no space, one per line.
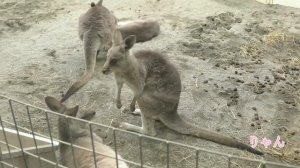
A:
239,63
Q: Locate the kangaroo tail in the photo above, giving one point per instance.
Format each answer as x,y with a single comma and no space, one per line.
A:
77,85
174,122
90,49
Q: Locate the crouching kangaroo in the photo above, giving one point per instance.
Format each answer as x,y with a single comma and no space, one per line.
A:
95,30
156,85
79,134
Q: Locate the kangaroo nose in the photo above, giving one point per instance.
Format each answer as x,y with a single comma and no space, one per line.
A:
104,71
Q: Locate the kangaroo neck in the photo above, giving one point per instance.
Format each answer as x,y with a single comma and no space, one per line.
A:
134,74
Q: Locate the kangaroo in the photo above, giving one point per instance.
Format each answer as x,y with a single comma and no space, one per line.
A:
144,30
78,133
95,30
156,85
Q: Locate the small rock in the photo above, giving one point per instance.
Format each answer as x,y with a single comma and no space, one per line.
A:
254,108
283,129
239,114
248,29
240,81
29,82
252,124
206,81
238,20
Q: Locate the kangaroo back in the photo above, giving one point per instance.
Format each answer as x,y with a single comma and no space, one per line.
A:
78,133
95,29
175,122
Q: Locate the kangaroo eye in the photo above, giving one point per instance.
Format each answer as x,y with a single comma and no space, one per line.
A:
113,61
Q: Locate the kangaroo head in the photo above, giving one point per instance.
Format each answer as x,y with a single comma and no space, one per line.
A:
67,126
117,55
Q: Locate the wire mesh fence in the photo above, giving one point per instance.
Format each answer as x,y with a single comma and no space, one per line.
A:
23,143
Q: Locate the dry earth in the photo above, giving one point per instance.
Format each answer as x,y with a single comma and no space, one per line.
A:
239,63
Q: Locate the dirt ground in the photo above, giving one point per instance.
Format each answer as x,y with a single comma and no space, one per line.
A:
239,63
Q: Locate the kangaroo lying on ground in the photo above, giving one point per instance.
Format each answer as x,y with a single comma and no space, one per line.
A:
78,133
95,30
156,85
144,30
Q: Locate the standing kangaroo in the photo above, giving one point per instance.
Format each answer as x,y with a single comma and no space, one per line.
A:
78,133
95,30
156,85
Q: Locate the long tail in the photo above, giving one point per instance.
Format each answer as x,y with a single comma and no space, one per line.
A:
175,123
90,51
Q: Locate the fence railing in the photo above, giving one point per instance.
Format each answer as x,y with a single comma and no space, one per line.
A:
26,124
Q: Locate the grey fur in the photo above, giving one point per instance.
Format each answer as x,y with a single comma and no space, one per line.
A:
95,29
144,30
156,85
78,133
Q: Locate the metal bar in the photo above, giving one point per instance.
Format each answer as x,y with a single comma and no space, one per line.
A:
141,149
6,141
33,155
71,139
69,144
93,145
6,164
262,165
51,138
157,139
115,145
33,134
14,118
79,147
168,154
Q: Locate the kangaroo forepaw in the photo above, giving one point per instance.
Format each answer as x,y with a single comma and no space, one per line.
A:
119,104
132,107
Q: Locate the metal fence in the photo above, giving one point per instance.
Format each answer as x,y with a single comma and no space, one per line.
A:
21,122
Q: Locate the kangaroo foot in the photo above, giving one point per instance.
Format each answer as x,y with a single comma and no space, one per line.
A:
137,112
134,128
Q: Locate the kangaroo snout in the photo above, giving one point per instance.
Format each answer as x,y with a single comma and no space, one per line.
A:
105,71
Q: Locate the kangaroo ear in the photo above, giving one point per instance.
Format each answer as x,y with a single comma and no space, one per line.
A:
129,42
72,111
117,37
54,104
99,3
88,115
